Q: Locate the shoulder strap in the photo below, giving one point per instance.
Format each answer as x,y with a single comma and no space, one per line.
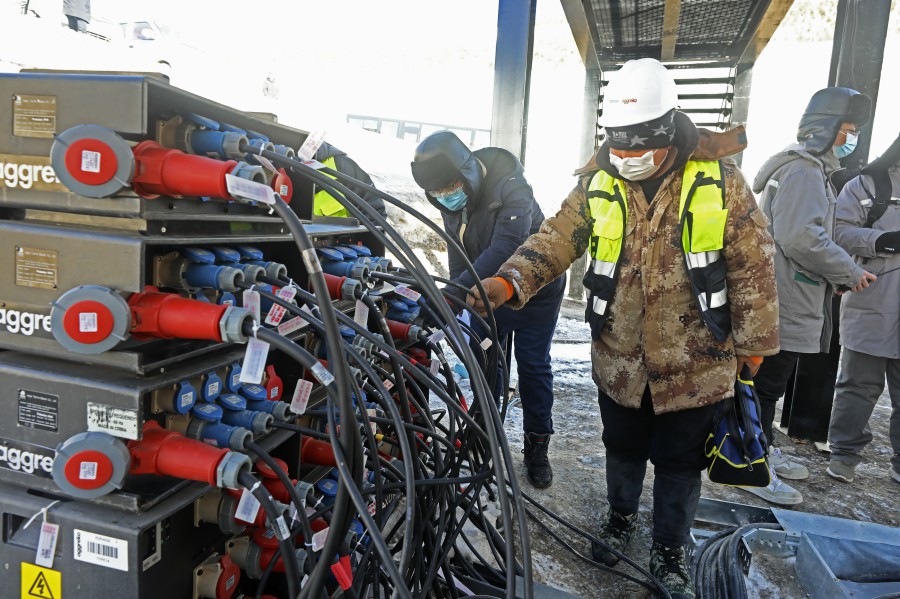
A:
882,195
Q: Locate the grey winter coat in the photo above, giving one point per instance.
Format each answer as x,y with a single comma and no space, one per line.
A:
870,319
799,200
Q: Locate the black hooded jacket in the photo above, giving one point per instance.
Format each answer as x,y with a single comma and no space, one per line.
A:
500,214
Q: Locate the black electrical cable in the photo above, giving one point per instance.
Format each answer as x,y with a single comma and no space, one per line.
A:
480,391
307,359
291,565
299,503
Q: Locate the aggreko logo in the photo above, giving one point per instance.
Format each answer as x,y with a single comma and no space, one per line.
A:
20,460
31,172
24,322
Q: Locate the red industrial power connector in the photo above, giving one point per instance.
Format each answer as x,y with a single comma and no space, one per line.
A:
313,451
168,453
91,319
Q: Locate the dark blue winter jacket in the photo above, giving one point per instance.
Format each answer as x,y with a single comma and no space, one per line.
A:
500,214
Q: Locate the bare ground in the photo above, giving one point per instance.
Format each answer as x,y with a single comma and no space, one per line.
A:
579,489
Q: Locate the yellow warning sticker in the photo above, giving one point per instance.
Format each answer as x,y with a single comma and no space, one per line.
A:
40,583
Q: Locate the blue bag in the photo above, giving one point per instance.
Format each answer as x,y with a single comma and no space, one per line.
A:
736,447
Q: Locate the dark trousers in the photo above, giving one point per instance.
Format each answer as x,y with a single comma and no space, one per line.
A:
674,443
532,330
76,24
770,383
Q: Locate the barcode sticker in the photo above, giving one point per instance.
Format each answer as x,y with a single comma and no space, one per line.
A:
251,302
87,322
87,471
90,161
101,550
247,507
46,549
301,396
361,314
407,293
254,361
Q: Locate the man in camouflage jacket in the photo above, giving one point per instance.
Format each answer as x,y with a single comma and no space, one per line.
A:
658,369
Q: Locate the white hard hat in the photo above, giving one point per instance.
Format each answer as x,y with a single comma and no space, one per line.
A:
642,90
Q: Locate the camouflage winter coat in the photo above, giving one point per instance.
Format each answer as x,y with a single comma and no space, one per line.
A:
654,334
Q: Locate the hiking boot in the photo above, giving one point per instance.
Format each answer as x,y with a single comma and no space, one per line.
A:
669,566
777,492
895,475
537,464
785,466
615,532
843,471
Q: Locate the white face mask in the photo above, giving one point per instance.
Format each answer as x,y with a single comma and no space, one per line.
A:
636,168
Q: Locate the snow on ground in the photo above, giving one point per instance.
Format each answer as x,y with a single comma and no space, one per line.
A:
418,75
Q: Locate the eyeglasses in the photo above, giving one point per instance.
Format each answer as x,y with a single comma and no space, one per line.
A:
443,191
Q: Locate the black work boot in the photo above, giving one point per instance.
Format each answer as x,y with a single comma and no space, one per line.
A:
537,464
615,533
669,566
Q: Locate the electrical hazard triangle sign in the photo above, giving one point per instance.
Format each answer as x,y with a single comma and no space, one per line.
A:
40,583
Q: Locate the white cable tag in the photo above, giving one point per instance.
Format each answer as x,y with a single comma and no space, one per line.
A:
276,313
289,326
361,314
486,343
311,261
254,361
247,507
266,163
311,145
281,528
318,540
437,337
301,396
251,302
388,384
372,425
434,367
386,288
245,189
407,293
321,373
46,548
287,293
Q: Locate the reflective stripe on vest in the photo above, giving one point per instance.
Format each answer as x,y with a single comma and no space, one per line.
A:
324,204
702,221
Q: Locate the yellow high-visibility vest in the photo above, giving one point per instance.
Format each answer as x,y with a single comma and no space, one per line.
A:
325,204
702,215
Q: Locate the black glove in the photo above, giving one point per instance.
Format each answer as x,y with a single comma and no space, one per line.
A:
888,242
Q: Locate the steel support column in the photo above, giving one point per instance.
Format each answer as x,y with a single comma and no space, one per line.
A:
512,74
589,141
